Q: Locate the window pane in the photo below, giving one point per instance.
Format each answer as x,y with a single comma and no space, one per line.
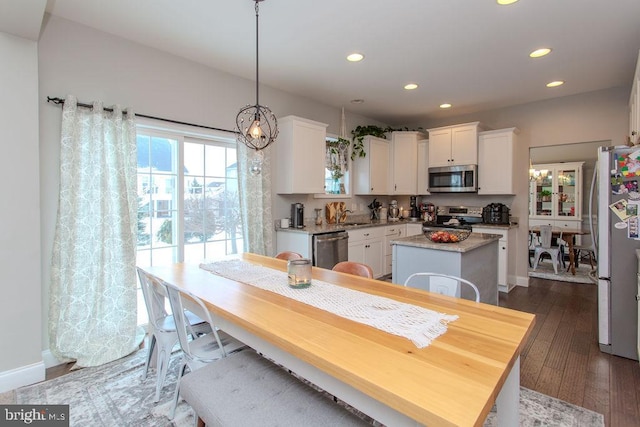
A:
193,159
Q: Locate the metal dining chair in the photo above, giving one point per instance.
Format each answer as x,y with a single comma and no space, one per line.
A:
162,328
444,284
555,252
202,350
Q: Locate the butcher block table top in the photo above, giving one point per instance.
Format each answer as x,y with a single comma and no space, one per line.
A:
453,381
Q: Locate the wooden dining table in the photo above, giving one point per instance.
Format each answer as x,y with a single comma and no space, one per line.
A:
568,235
454,381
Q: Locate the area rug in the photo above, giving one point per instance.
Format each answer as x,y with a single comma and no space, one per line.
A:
115,395
584,273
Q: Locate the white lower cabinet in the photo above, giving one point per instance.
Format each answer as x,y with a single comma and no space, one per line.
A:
506,257
366,246
392,232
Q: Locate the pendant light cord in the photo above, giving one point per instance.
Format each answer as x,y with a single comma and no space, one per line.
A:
257,51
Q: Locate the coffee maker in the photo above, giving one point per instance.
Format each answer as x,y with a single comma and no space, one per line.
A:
297,215
414,214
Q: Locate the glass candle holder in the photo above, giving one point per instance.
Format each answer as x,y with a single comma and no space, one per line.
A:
299,273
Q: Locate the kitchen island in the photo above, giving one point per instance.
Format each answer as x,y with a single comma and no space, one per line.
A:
474,259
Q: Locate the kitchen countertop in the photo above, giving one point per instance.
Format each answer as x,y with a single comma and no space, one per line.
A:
311,228
475,240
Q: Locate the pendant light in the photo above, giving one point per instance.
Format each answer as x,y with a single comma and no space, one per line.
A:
257,126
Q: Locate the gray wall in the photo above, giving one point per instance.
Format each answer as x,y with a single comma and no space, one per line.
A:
20,304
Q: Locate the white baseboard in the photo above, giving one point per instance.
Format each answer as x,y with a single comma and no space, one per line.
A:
22,376
50,360
523,281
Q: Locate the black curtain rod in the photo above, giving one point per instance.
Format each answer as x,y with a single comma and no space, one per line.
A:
60,101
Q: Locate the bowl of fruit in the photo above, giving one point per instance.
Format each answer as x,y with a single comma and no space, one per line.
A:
446,235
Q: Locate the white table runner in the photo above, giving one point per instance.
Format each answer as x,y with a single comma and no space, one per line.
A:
418,324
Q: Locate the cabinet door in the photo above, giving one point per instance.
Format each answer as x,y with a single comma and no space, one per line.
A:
503,256
379,166
356,252
495,163
404,147
422,186
440,148
373,256
464,145
567,192
300,156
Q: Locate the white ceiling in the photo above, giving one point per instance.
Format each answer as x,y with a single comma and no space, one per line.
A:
471,53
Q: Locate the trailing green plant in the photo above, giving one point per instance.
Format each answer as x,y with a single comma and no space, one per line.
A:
360,132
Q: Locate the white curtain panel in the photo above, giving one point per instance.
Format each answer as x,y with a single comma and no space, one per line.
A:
92,316
255,201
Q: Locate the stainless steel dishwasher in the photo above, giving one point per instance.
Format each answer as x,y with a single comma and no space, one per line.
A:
330,248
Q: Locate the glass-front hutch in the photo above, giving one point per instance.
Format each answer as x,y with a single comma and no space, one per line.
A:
556,191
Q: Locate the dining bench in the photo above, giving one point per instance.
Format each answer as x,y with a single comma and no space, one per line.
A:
247,389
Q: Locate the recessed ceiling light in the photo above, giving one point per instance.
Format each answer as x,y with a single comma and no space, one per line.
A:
505,2
411,86
355,57
357,101
540,52
555,83
443,106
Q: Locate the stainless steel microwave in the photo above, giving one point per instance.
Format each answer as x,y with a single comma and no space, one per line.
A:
453,179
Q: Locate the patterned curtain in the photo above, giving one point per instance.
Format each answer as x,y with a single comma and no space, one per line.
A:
255,201
92,316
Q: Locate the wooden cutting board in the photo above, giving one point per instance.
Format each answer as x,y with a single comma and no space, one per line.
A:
332,209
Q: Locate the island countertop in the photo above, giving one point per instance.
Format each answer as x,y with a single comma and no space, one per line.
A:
474,241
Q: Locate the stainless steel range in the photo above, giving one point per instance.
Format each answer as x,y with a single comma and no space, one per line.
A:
457,217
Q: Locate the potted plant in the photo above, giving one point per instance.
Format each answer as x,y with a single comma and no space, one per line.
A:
545,195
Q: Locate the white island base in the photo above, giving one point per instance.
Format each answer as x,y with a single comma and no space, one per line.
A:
475,259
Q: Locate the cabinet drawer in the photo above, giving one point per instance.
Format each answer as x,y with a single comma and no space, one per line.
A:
366,234
399,230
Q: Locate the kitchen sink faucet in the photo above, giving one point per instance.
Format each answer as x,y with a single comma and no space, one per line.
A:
339,214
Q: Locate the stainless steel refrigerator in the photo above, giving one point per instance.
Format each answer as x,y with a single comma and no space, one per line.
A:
616,181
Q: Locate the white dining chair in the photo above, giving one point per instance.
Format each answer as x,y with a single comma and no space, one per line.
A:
202,350
444,284
545,247
162,328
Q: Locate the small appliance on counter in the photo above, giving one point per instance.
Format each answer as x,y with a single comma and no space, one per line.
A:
495,213
394,211
414,214
428,213
297,215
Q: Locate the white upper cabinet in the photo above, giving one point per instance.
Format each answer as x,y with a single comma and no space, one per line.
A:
371,173
496,160
404,158
454,145
422,185
300,156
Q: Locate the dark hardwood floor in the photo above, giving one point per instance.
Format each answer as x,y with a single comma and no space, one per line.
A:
562,358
